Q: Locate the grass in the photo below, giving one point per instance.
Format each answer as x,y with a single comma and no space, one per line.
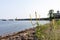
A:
49,31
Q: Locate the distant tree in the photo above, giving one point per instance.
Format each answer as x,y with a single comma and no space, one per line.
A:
51,14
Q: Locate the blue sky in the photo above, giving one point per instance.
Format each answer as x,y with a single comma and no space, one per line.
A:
22,8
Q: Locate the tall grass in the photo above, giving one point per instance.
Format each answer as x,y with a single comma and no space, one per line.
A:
49,31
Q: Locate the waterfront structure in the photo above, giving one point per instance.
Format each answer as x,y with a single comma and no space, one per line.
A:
53,15
56,15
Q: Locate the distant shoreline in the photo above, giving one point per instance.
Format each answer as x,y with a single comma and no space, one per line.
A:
33,19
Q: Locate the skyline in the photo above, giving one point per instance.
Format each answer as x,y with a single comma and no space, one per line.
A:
23,8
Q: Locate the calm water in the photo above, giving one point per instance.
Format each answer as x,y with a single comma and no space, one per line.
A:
7,27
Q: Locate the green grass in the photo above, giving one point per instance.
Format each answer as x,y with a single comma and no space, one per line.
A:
48,31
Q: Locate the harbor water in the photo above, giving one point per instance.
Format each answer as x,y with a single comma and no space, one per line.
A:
7,27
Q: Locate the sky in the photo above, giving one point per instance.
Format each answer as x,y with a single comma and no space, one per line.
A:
10,9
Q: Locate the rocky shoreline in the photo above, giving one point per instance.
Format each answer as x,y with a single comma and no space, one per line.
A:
28,34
